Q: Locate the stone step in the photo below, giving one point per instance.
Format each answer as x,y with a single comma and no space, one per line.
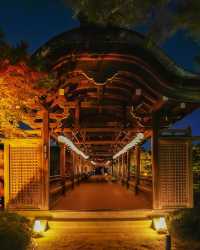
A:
108,215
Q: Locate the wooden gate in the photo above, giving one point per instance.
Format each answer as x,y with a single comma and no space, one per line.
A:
175,174
24,175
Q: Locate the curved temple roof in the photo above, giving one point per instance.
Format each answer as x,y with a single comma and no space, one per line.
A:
113,81
104,41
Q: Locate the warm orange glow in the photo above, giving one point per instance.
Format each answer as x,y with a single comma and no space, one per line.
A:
159,224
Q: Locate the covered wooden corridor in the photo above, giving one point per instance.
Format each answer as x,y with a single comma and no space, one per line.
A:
103,196
104,92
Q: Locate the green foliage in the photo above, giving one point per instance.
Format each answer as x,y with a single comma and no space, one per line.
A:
133,169
15,232
196,158
13,54
187,17
148,169
47,82
197,61
38,63
162,17
185,224
121,13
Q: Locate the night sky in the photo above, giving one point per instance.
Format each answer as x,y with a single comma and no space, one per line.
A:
37,21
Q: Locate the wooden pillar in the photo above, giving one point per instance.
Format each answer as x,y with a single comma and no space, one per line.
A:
112,170
128,167
155,158
127,155
62,160
137,181
46,160
74,164
79,168
118,167
73,169
122,167
77,114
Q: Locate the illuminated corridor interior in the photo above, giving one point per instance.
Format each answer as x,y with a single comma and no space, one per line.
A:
103,195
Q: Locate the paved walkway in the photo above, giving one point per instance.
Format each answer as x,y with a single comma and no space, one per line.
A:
104,235
103,196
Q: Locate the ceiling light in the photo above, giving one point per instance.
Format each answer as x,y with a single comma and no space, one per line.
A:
71,145
139,137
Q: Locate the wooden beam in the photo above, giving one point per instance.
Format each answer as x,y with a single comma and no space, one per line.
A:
101,154
100,142
100,130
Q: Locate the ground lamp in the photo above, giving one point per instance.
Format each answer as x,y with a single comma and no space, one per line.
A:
159,224
39,227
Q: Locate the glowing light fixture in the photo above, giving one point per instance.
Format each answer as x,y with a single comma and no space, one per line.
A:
108,162
138,91
40,226
165,98
134,142
183,105
61,91
93,163
71,145
159,224
37,228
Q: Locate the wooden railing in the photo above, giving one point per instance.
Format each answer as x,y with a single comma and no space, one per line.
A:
58,186
145,183
196,187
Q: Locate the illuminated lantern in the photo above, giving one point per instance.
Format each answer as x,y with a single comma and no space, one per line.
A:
40,226
183,105
159,224
61,92
138,92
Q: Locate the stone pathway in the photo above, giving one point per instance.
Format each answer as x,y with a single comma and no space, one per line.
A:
104,235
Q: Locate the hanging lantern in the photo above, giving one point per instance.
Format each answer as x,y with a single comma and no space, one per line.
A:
165,98
61,91
138,91
183,105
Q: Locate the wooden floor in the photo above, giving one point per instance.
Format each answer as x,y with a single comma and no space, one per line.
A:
103,196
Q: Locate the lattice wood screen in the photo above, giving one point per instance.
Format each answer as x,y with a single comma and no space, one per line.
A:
25,176
175,182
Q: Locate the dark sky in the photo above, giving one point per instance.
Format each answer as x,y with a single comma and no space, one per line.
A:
36,21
